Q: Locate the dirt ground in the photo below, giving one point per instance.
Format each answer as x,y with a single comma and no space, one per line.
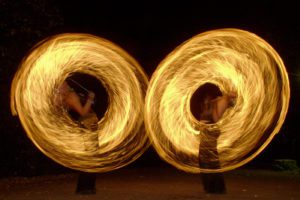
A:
161,183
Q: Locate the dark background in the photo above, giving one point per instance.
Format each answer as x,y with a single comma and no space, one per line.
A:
148,31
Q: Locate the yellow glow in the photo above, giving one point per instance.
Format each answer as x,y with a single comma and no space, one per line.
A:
120,137
234,60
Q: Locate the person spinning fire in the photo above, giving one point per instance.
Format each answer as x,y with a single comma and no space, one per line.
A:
212,109
69,100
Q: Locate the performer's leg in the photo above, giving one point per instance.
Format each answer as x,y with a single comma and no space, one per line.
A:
209,159
86,183
213,183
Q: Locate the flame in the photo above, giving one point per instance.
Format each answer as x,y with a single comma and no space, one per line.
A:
120,137
234,60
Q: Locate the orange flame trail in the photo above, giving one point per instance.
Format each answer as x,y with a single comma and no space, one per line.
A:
120,137
234,60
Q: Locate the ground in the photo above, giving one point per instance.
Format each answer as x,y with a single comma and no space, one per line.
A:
155,183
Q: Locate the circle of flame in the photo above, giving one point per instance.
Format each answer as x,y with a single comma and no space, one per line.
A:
234,60
120,137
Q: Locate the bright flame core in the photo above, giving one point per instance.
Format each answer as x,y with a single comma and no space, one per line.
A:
120,137
234,60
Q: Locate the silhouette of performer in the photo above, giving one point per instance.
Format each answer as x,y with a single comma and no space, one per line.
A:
70,101
213,104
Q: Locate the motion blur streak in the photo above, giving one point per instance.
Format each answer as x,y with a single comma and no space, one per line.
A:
234,60
120,137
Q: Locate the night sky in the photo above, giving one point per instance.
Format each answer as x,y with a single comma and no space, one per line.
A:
148,31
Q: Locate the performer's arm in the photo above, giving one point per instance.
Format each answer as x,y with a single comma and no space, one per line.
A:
221,104
74,103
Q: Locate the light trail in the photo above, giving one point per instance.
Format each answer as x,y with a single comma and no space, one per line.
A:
234,60
120,138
